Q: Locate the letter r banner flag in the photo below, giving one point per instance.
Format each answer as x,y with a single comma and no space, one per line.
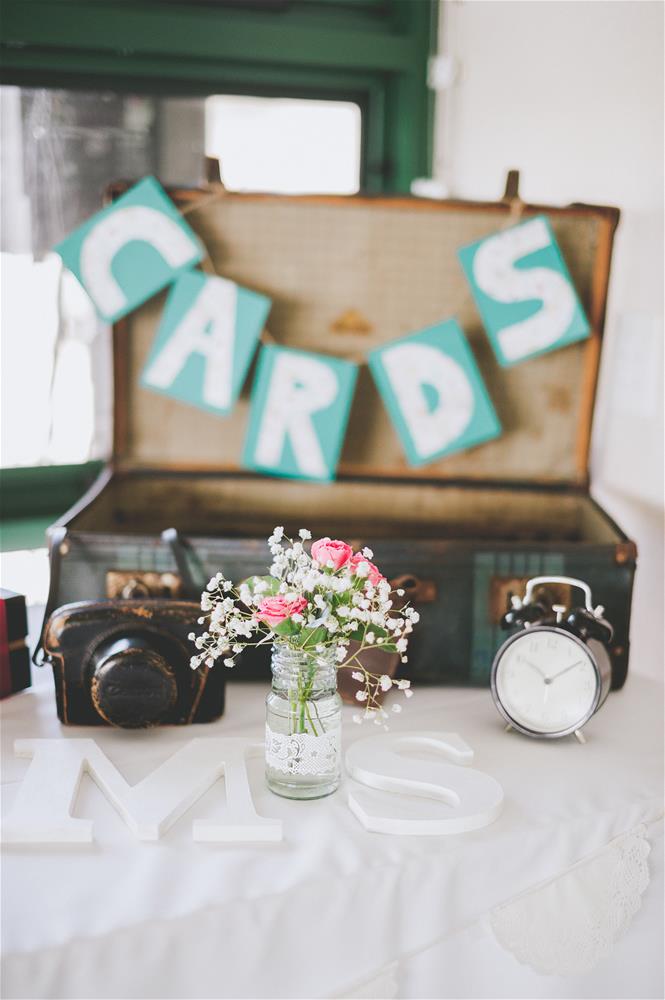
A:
299,411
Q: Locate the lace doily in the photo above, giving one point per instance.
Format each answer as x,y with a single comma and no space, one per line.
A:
568,925
303,753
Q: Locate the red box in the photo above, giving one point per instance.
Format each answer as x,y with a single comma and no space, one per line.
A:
14,652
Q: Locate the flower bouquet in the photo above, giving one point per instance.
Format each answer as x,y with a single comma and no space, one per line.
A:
320,610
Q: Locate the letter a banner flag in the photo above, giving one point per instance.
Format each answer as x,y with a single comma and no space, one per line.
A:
523,291
436,397
299,411
205,342
130,250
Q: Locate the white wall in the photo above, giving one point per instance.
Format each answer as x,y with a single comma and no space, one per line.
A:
571,94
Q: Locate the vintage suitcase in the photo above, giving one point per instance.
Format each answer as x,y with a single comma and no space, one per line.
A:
346,274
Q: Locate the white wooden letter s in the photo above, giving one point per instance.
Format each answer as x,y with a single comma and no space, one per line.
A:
474,798
42,811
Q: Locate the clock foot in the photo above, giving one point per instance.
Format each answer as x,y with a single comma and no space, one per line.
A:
579,736
508,728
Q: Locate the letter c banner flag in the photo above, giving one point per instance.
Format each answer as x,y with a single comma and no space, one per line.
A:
130,250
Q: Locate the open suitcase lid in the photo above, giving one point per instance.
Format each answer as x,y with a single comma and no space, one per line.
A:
347,274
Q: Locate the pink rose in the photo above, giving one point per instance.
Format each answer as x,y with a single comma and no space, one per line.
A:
375,576
331,550
275,610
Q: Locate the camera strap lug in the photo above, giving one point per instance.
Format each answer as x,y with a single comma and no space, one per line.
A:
58,547
182,553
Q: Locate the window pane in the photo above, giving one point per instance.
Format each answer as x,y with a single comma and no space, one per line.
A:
60,150
283,145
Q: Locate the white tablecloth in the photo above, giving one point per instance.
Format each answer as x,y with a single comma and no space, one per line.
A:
333,910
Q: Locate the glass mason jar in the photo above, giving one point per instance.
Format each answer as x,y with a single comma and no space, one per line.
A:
303,724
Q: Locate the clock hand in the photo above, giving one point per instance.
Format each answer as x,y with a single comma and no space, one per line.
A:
534,667
565,670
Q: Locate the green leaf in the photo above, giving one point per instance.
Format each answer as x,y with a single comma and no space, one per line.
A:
313,636
357,636
285,628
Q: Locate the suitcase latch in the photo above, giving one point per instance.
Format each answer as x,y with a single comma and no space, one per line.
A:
136,584
415,590
502,588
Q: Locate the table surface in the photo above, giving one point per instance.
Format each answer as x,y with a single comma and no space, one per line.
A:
332,910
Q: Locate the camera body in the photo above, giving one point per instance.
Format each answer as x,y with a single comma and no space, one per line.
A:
126,663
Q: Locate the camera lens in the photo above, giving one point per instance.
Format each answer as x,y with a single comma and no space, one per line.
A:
133,685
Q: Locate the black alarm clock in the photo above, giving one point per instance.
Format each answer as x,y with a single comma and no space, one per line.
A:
554,673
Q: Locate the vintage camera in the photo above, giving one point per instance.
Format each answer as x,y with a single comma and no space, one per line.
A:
126,663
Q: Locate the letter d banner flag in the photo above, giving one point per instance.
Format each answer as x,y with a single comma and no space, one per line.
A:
299,412
434,393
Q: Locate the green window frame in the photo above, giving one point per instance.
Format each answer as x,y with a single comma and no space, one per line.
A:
372,52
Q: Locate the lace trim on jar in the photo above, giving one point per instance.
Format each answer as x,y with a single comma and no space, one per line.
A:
303,753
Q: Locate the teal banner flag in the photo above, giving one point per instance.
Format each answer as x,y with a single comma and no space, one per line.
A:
299,412
436,397
130,250
205,342
524,292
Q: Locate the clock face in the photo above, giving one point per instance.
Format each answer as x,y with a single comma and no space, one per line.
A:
546,681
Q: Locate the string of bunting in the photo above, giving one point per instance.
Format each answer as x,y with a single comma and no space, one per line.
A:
211,327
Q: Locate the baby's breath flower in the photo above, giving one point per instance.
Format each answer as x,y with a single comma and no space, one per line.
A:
385,682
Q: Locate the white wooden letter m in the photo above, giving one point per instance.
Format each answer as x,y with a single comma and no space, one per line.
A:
42,810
